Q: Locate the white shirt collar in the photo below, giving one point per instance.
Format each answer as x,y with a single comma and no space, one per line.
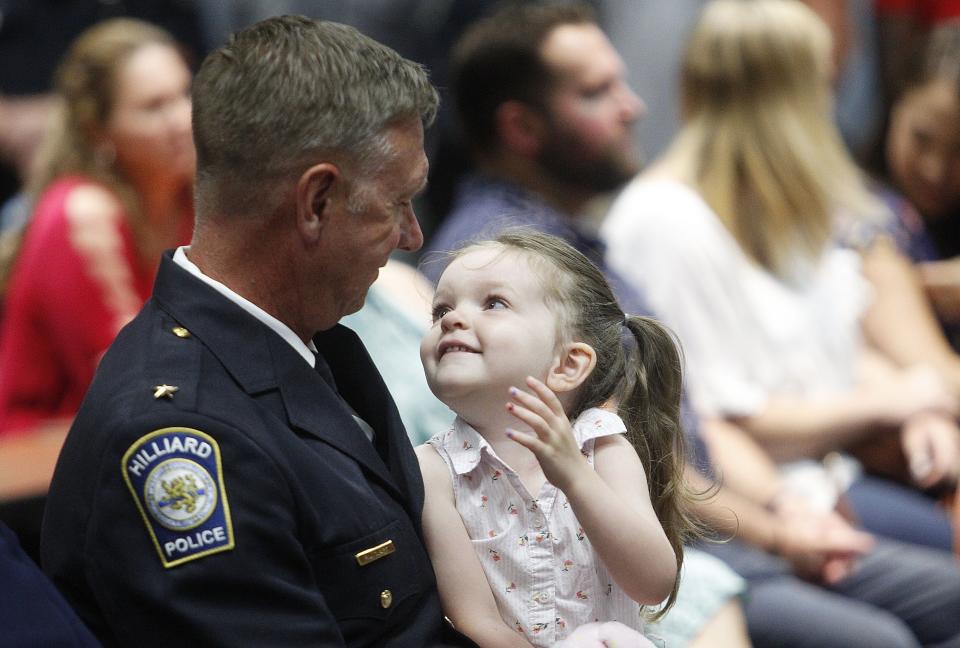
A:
308,351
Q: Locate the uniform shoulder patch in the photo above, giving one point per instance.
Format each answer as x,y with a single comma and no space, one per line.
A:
175,477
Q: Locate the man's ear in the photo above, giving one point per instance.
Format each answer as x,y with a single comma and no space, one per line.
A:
572,367
315,190
520,127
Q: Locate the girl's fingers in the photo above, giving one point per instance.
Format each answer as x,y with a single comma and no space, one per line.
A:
542,402
534,420
529,441
532,404
544,414
531,401
546,396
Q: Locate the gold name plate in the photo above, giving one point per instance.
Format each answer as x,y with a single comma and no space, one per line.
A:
367,556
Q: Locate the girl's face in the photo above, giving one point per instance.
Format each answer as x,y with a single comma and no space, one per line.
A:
923,148
149,123
491,329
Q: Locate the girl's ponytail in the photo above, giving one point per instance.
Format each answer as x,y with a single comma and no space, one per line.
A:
650,408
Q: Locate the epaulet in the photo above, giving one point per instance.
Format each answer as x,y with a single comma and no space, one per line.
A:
171,375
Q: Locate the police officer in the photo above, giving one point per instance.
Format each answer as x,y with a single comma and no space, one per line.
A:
238,474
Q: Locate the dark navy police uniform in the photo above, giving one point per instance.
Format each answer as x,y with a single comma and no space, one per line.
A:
215,490
32,611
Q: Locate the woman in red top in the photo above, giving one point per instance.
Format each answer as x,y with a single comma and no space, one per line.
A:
112,191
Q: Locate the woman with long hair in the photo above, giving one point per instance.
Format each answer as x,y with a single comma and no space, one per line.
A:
112,190
731,235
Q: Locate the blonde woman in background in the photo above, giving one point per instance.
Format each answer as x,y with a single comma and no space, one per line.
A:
112,190
730,235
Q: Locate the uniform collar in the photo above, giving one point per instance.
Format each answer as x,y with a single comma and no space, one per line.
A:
262,363
308,351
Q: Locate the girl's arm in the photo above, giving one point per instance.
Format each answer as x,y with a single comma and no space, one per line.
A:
464,591
611,502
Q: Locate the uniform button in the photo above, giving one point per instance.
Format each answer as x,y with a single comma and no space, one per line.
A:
180,332
386,599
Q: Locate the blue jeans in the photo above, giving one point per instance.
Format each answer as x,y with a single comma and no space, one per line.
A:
891,510
900,595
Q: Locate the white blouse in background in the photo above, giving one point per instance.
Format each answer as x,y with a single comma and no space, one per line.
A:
747,335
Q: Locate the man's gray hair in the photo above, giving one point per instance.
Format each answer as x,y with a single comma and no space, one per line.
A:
288,89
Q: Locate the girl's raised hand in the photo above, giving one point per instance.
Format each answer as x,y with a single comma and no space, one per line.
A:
552,442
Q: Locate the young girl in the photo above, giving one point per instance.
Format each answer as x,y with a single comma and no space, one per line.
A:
536,526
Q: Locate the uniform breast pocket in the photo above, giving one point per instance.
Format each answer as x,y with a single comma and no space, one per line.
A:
375,576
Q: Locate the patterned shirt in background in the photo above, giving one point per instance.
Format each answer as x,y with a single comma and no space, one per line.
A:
542,569
906,229
901,224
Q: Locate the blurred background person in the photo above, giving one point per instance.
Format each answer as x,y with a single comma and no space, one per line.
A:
650,35
730,235
918,162
112,189
34,35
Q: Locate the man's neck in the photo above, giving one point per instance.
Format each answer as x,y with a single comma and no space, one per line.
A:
300,345
263,274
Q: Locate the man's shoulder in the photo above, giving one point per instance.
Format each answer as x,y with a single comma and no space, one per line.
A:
482,199
155,365
475,216
157,385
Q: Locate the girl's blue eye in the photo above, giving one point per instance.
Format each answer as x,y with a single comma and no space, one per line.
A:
496,303
439,312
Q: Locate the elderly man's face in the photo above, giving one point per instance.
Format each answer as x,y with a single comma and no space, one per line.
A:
379,219
591,111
